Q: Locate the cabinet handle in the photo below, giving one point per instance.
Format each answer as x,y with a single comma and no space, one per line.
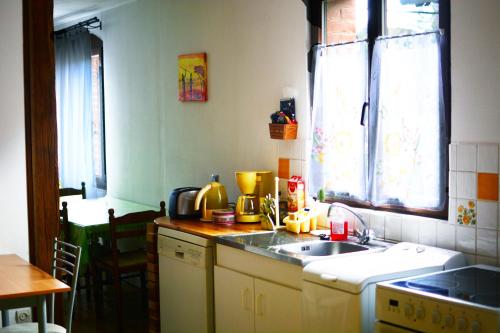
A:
259,305
245,299
328,277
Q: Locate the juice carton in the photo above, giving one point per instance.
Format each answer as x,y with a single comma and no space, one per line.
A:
296,194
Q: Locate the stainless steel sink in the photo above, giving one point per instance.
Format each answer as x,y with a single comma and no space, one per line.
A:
320,248
296,249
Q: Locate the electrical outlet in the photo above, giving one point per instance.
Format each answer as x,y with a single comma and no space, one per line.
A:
23,316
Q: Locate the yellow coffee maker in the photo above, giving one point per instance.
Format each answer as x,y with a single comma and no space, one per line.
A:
254,185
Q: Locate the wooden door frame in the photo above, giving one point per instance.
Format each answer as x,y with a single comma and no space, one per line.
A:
40,130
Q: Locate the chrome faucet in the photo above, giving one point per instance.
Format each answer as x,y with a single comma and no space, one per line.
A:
364,236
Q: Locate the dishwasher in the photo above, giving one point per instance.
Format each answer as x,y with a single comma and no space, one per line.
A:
186,282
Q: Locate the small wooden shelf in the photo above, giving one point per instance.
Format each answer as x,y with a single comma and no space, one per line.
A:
283,131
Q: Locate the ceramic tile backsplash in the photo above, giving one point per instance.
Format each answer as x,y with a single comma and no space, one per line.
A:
474,200
377,224
452,184
480,260
453,156
486,243
487,158
295,167
466,213
473,225
487,186
466,157
284,168
427,232
466,185
470,259
487,214
290,149
452,210
393,227
410,229
466,239
445,236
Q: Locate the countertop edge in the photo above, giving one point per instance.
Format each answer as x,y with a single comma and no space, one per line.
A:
206,229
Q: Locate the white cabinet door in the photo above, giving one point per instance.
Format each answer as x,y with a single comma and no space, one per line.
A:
234,307
277,308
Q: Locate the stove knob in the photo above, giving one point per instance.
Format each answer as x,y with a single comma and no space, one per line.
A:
420,312
449,320
475,326
408,309
462,324
436,317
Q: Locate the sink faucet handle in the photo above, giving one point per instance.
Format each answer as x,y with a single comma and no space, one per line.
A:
364,236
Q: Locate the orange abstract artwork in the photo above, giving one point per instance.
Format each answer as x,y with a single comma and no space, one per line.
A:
192,77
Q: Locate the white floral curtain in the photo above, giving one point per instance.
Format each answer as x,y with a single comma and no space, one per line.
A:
337,161
399,157
407,126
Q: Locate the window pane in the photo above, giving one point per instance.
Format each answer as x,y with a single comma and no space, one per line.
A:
338,140
97,121
346,20
411,16
407,116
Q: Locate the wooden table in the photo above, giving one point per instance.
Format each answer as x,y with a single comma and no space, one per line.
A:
25,285
89,219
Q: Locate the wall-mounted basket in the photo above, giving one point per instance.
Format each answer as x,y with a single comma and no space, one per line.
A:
283,131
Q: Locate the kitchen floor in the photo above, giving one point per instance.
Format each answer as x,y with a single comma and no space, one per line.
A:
135,311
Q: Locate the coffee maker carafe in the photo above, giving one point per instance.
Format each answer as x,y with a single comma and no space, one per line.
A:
253,185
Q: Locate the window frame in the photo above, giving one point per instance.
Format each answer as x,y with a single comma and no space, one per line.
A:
376,22
97,49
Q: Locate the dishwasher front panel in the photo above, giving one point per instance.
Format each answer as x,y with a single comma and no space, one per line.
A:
186,286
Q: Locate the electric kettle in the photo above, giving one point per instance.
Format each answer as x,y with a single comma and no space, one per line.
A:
212,196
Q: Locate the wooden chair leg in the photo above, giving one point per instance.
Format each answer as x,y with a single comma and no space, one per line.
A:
118,300
88,285
143,280
98,291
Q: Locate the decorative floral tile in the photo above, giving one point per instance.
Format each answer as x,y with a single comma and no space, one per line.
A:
466,212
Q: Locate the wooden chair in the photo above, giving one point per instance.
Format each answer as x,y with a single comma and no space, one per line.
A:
73,191
119,262
65,262
64,234
63,219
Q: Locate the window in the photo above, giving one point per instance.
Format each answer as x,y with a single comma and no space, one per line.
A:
380,127
98,137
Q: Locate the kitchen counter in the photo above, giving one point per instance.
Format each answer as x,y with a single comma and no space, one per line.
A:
270,244
250,237
207,229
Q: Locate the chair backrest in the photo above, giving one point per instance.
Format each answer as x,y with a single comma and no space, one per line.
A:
63,219
73,191
66,261
132,225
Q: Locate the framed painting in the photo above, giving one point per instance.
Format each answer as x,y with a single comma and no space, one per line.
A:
192,77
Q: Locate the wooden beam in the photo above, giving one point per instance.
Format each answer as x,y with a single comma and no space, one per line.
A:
41,130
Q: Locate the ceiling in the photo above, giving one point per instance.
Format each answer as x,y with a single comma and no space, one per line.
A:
70,11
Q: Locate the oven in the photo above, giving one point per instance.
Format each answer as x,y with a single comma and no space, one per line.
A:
460,300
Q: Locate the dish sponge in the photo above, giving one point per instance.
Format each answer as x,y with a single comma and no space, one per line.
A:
292,224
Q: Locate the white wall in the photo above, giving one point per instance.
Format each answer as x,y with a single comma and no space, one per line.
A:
13,197
255,48
475,70
155,142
